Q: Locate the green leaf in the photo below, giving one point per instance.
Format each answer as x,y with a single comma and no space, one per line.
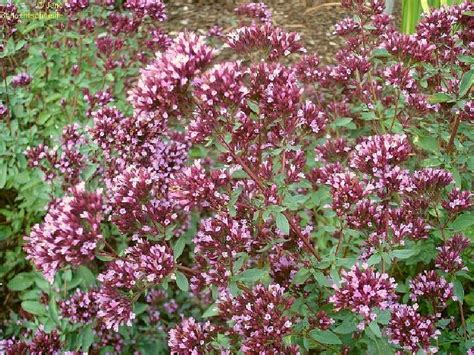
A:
179,247
53,309
139,308
182,281
347,327
342,122
86,276
253,106
463,221
301,276
429,143
440,97
458,290
87,338
374,259
252,275
466,59
466,82
374,327
3,176
282,223
34,307
380,53
404,254
325,337
212,311
21,282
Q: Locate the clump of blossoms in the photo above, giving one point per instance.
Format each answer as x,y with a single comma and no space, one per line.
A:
20,80
410,330
257,200
258,316
81,307
362,290
114,309
191,337
141,263
255,10
430,285
41,343
69,234
449,254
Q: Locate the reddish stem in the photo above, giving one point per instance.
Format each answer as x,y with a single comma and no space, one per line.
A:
288,216
457,120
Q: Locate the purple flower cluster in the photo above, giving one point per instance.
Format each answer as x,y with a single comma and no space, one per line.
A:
81,307
9,17
410,330
154,8
194,187
191,337
115,309
3,111
69,233
136,207
41,343
255,10
266,38
21,80
163,83
65,161
259,317
74,6
433,287
449,254
141,263
457,201
312,116
362,289
221,94
376,153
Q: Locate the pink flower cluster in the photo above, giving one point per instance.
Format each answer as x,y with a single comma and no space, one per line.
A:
449,254
410,330
362,289
259,317
163,83
41,343
20,80
69,234
115,309
191,337
65,161
141,263
433,287
255,10
194,187
264,38
136,204
81,307
154,8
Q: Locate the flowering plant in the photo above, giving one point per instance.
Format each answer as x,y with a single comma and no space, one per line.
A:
254,200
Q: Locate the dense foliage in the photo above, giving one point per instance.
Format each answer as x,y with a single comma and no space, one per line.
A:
228,193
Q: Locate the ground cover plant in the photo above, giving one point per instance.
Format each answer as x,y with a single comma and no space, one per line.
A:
227,192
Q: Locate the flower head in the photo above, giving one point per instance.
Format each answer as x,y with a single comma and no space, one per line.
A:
362,289
69,233
114,309
431,286
259,317
191,337
410,330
